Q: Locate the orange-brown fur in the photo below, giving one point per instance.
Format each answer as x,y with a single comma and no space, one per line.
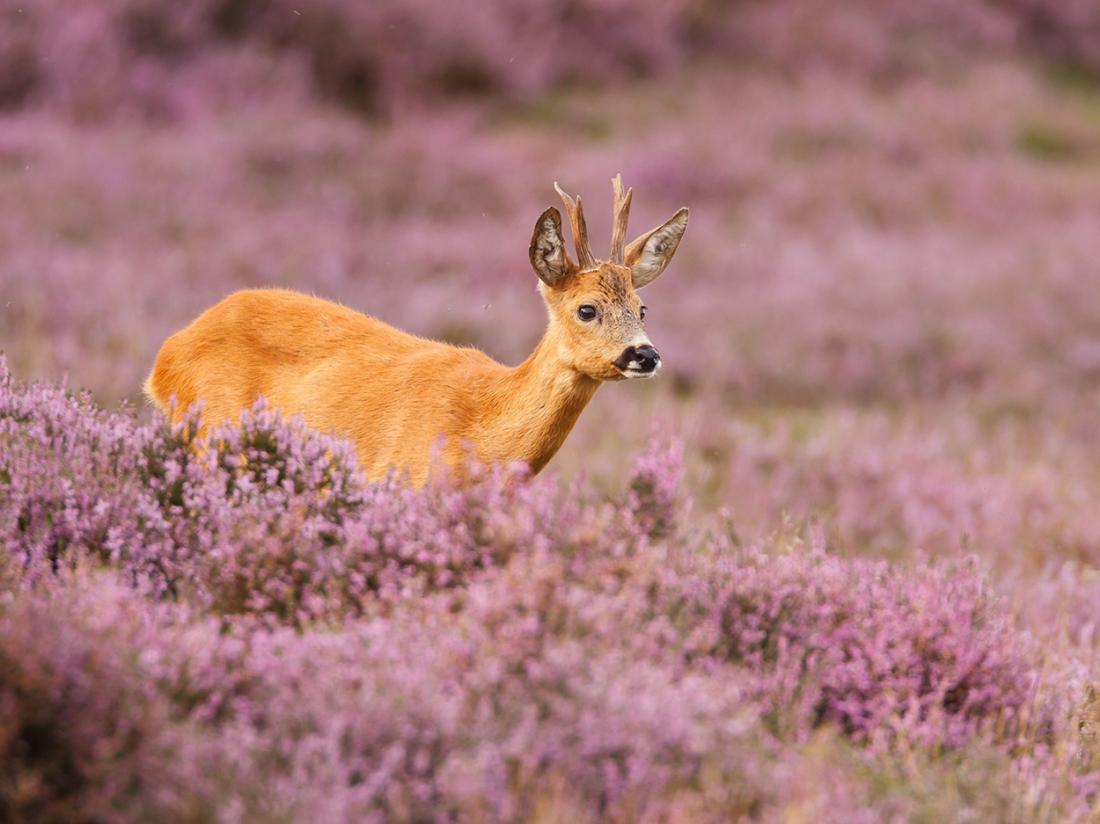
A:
397,395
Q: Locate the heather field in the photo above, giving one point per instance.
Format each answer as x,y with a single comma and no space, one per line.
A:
839,562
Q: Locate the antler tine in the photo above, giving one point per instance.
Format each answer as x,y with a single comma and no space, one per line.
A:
620,213
580,229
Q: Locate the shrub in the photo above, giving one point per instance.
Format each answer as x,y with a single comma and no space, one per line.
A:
252,630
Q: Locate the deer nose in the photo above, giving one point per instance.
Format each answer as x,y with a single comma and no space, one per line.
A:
647,357
639,359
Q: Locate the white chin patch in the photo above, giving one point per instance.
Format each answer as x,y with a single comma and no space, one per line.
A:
634,370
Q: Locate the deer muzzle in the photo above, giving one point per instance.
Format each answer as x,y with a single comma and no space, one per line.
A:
639,361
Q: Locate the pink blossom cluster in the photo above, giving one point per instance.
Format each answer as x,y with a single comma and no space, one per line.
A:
269,520
251,630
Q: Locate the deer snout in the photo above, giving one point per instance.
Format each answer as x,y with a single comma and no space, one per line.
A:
639,361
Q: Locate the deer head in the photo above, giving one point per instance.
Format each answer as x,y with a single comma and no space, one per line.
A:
596,315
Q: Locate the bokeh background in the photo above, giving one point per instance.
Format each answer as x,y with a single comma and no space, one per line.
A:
881,332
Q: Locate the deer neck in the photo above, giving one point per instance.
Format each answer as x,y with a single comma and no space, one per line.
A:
535,406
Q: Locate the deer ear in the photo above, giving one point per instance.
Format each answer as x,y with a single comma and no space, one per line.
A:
548,256
649,254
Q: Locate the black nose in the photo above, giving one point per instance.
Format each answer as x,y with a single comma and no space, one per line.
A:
647,358
642,359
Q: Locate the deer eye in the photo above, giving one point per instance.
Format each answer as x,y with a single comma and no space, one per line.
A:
586,312
641,313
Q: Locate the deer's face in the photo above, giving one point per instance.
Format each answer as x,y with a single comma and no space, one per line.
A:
600,323
595,312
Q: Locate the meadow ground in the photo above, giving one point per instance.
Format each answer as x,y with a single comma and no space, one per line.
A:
840,562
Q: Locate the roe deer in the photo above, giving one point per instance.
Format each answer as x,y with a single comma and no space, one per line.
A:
395,395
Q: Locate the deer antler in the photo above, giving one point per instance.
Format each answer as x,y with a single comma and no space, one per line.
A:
580,229
620,213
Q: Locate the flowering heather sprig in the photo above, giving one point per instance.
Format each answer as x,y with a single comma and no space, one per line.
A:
268,518
69,473
86,729
533,687
252,628
121,709
656,495
887,653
